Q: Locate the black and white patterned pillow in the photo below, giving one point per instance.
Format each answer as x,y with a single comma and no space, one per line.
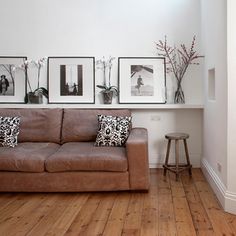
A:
113,130
9,130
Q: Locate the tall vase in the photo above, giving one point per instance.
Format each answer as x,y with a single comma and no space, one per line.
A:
179,95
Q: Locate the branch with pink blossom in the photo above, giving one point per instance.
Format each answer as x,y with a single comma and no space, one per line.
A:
178,61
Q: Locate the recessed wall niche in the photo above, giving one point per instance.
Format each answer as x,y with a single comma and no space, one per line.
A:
211,84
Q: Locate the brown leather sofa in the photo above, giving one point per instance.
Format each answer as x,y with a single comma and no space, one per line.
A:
56,153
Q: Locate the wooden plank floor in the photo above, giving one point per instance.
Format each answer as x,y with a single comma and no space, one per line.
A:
187,207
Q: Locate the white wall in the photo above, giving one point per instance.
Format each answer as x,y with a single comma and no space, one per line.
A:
168,121
231,59
214,38
117,28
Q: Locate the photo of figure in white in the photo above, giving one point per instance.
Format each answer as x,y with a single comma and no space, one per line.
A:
142,83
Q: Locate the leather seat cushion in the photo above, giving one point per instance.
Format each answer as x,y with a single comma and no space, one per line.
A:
84,156
26,157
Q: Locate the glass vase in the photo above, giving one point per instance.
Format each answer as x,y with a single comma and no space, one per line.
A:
179,95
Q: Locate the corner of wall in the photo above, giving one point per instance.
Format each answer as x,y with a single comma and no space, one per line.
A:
227,199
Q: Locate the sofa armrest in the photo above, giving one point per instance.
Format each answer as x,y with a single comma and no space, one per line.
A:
137,154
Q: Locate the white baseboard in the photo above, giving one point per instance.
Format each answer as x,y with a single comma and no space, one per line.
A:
227,199
215,182
230,202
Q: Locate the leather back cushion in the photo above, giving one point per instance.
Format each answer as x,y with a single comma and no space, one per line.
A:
37,125
81,125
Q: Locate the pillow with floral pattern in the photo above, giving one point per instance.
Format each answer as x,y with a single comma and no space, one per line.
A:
9,130
113,130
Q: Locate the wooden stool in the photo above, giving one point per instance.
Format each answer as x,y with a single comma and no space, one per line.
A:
177,168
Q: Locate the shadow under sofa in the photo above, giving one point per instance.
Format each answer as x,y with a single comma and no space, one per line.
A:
56,153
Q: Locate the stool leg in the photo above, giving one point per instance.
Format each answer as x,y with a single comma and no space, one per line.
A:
187,157
177,158
167,156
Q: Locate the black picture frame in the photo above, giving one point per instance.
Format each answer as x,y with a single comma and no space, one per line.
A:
71,80
142,80
16,87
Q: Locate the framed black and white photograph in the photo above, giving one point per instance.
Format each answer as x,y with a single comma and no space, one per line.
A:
71,79
142,80
12,80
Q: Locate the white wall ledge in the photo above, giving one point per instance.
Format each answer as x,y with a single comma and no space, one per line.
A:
105,106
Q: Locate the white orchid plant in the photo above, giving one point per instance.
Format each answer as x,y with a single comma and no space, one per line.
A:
38,64
106,66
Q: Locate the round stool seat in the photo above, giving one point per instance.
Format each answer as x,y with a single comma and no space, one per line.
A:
177,136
